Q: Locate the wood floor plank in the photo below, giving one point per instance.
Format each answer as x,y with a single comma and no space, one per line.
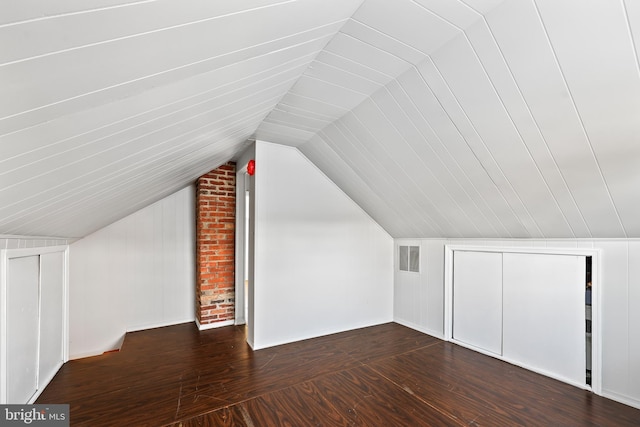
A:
476,387
381,341
302,404
442,386
367,399
377,376
234,416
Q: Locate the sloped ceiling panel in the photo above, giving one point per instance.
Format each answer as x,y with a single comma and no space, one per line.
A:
106,109
441,118
525,124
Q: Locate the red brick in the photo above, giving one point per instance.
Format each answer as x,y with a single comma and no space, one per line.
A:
215,234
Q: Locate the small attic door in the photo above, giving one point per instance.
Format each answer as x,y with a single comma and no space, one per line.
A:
33,321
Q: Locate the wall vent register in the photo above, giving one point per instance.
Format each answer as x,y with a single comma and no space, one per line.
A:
409,258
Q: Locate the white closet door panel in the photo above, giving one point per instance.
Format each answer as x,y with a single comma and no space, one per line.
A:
22,328
51,316
477,299
544,314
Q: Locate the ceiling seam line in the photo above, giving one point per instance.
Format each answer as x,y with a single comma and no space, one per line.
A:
78,12
630,31
376,47
297,114
359,64
457,27
470,7
394,39
347,72
320,101
333,84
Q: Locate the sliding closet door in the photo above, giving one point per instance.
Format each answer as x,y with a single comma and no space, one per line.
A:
544,314
51,316
22,328
477,300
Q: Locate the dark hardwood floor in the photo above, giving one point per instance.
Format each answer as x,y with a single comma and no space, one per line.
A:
386,375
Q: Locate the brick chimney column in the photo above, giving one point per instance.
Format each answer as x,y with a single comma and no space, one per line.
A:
215,247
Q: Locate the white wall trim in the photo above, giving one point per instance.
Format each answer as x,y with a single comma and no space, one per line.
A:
17,236
3,323
621,398
244,183
158,325
594,253
419,328
214,325
240,245
87,354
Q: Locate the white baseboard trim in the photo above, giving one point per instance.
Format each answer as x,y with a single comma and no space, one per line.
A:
214,325
45,383
85,355
118,345
627,400
159,325
419,328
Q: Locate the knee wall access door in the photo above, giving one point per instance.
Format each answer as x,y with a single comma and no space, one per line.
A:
33,320
525,308
477,300
544,314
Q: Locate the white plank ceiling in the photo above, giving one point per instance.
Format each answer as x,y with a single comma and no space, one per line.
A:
441,118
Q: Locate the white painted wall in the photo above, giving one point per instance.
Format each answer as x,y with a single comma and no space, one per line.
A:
419,301
322,265
137,273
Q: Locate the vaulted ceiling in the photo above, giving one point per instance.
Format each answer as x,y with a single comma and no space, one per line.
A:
441,118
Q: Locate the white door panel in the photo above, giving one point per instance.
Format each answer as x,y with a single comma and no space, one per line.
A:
22,328
544,313
51,316
477,299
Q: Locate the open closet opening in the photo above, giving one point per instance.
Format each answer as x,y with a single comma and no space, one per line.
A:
245,226
247,220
